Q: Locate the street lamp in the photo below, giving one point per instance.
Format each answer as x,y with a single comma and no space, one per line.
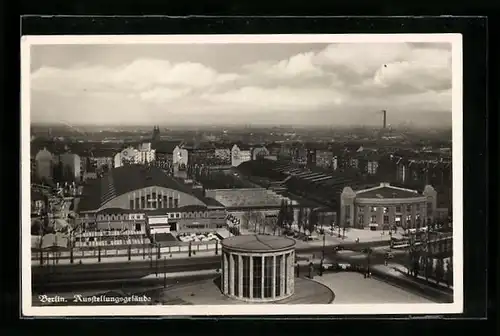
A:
164,272
322,256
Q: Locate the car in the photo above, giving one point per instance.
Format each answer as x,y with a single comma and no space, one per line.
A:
344,266
388,255
328,266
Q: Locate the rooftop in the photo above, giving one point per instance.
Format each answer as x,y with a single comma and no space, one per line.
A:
387,191
121,180
258,243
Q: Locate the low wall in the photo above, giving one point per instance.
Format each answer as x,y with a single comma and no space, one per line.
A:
120,252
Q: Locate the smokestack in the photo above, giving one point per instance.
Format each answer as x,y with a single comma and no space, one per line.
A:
385,118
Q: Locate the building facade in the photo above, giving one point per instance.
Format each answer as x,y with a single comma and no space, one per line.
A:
240,155
44,164
324,158
387,206
223,154
259,152
73,167
258,268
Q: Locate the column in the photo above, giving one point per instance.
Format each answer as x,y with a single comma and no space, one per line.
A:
292,275
413,213
240,276
367,211
231,274
250,282
263,268
392,215
380,217
273,295
225,270
282,276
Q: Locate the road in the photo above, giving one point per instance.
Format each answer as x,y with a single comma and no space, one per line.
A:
87,273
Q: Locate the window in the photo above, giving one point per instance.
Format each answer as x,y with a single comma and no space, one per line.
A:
373,219
417,207
278,274
361,219
397,219
268,277
165,202
170,202
236,275
257,277
143,202
386,210
131,204
347,211
374,209
398,208
176,203
386,219
408,208
408,218
137,227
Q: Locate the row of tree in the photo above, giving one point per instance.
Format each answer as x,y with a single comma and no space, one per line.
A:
422,262
307,220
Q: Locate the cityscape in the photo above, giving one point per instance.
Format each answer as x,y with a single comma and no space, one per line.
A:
280,174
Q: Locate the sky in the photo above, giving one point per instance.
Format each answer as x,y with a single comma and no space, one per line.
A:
335,84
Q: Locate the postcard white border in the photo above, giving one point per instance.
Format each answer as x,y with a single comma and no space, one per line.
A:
255,309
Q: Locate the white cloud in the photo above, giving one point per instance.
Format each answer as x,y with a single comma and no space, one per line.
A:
277,98
363,77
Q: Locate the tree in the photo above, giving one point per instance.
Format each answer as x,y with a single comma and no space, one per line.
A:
300,219
449,272
439,270
312,222
429,267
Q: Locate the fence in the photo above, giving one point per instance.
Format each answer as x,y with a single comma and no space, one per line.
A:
142,250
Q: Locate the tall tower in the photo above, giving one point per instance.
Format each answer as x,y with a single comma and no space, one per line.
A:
385,119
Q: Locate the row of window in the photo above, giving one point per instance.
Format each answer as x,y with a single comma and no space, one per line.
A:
397,219
398,208
154,202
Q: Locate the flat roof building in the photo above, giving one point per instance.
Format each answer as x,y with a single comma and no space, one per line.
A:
258,268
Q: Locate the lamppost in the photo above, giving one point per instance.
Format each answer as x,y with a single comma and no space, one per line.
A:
322,255
164,272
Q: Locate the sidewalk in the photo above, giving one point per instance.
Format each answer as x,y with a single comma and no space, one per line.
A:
402,270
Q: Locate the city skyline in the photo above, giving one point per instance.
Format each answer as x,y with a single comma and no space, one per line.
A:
337,84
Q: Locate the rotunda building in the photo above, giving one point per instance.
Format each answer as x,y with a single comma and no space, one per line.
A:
258,268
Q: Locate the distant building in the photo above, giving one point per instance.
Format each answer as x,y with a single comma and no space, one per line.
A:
143,155
223,153
311,157
37,202
180,156
156,134
240,154
324,158
44,164
127,156
71,166
386,206
259,152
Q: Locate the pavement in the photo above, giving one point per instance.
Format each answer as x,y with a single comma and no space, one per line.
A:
353,288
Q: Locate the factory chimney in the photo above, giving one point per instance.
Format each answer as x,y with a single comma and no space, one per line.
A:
385,119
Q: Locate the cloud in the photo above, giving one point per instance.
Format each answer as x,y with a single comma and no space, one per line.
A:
277,98
342,77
